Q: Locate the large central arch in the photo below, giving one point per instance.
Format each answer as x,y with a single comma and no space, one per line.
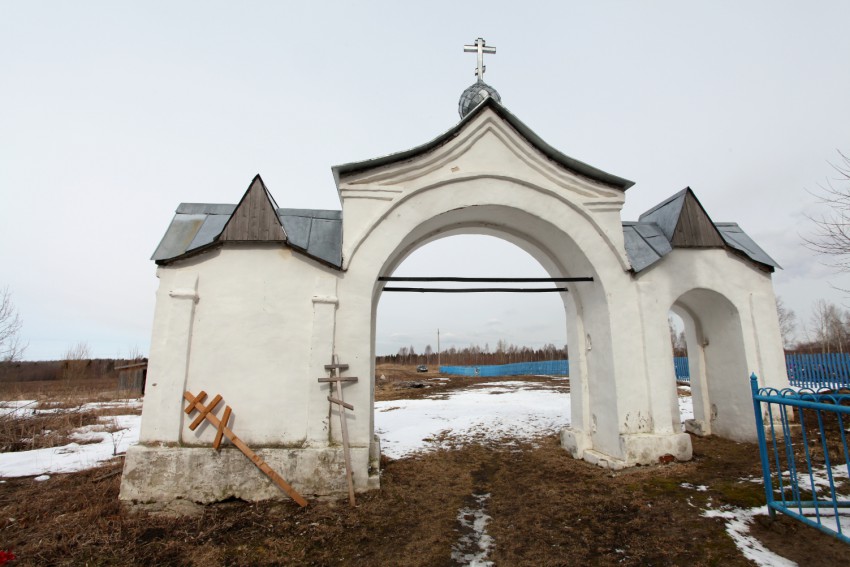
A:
490,180
553,249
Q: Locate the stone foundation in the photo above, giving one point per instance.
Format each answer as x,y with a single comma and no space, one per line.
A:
162,475
638,449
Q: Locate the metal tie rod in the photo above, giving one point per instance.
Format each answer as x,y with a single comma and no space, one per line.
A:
477,289
481,280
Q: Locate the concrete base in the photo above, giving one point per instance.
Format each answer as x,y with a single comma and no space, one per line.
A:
162,475
697,427
575,442
643,449
648,449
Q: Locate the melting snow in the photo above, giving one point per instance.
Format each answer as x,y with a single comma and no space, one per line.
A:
517,410
474,545
738,525
99,445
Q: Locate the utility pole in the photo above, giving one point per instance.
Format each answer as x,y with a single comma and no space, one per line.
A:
438,350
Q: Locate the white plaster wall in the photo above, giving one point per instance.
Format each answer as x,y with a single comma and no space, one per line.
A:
732,329
251,339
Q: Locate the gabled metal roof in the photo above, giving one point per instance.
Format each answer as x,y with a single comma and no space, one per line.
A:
666,214
651,238
565,161
740,240
196,226
645,244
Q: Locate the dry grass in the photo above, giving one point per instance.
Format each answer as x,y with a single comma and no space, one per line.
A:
24,431
65,391
56,410
545,509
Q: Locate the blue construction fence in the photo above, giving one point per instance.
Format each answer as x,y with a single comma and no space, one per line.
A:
830,370
683,372
804,457
543,367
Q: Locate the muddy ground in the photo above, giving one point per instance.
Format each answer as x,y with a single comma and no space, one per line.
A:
545,509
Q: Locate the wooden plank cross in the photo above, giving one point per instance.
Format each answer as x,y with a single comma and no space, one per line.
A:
206,412
337,380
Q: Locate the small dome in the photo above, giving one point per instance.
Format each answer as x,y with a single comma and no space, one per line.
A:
475,95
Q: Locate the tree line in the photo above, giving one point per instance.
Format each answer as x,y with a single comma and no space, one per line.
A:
826,331
504,353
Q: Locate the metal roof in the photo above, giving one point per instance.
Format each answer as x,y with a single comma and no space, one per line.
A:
649,239
645,244
196,226
666,214
569,163
740,240
318,234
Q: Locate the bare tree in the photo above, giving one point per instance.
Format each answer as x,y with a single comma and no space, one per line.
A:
77,361
827,327
677,338
787,323
832,234
11,347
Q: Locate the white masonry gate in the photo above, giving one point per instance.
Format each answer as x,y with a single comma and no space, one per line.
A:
255,300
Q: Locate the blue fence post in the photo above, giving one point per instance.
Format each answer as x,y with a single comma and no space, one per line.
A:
765,462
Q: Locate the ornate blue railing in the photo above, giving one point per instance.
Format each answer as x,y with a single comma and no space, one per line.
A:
804,455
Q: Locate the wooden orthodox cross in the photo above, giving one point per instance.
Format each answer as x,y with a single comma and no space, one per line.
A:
335,368
207,413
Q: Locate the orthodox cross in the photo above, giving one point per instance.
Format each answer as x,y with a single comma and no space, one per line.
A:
480,47
335,368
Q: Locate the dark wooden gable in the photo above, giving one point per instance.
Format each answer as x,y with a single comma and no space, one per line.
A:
694,228
255,218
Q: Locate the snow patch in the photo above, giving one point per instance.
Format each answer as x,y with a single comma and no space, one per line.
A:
100,445
738,522
474,545
489,411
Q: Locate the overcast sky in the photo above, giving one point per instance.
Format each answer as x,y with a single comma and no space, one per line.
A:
112,113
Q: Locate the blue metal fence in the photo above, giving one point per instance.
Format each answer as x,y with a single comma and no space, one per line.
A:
801,462
683,373
830,370
545,367
816,371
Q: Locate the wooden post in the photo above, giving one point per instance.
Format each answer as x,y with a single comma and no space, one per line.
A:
346,447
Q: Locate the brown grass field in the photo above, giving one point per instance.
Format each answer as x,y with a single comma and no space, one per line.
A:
546,509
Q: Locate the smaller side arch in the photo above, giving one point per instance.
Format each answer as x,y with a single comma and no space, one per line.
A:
717,356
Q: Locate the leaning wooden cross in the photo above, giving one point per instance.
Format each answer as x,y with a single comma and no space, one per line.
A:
337,380
206,412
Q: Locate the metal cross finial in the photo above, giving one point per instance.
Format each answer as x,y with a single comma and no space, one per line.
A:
480,47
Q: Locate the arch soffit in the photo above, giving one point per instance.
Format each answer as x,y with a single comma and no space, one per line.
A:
695,302
403,200
424,235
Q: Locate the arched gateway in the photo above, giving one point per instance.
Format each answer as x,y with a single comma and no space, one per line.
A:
255,300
